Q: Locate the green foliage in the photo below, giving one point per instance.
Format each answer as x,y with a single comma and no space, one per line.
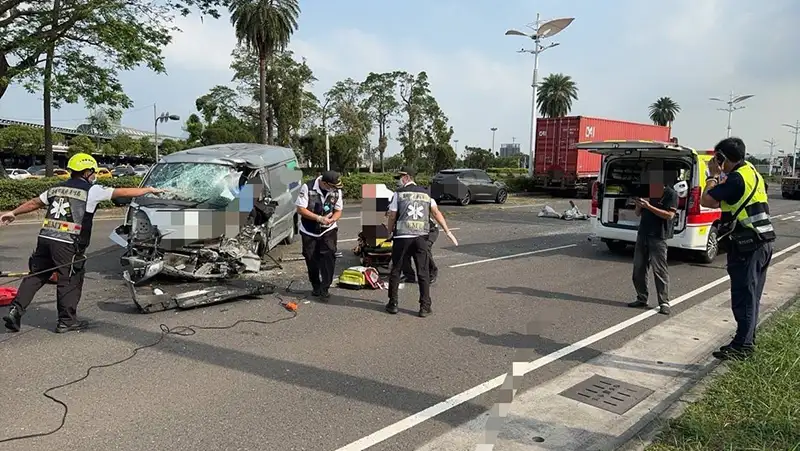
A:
15,192
122,145
264,28
556,93
754,405
381,105
22,140
663,111
81,144
477,158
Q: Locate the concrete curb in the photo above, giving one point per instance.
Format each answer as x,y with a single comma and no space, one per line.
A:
691,392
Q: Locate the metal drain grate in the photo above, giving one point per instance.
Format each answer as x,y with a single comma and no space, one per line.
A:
608,394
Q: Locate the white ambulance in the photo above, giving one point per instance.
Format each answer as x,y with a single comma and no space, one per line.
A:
623,177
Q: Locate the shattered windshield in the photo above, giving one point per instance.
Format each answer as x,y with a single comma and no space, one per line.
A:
194,182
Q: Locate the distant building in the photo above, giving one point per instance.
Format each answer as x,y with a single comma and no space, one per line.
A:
509,150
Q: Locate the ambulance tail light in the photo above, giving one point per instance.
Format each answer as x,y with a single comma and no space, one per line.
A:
693,202
594,198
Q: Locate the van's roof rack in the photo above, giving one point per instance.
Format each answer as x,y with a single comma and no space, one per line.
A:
632,144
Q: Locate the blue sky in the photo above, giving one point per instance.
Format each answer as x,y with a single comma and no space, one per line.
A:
622,54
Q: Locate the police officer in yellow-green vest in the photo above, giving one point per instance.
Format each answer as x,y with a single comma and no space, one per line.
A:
63,239
735,186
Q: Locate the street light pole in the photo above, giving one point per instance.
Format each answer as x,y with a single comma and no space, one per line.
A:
771,143
795,129
494,130
541,30
456,147
732,103
163,118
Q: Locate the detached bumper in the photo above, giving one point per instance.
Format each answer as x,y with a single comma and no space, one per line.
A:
149,298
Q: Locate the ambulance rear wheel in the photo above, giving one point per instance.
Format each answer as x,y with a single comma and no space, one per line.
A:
712,247
617,247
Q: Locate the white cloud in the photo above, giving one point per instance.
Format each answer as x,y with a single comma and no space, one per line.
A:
686,49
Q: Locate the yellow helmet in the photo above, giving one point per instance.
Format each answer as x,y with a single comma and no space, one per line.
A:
81,162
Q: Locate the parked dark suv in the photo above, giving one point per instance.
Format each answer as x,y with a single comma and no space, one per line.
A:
467,185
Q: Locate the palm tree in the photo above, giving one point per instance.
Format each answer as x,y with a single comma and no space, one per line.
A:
556,93
264,27
663,111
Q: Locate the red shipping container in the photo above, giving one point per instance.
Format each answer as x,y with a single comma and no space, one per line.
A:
559,165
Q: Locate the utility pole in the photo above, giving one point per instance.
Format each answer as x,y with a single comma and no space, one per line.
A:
795,130
494,130
771,143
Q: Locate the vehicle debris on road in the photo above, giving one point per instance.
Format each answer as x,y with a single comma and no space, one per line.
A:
571,214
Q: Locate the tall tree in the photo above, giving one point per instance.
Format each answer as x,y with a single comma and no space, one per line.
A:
28,29
381,105
663,111
264,27
415,95
349,118
555,96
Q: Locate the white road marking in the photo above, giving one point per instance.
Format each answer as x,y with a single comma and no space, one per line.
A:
347,240
437,409
487,260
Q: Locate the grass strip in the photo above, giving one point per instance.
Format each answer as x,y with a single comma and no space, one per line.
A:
753,406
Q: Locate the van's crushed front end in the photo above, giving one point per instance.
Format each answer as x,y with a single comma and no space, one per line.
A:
199,249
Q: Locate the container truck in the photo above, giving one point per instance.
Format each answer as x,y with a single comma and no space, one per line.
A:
560,168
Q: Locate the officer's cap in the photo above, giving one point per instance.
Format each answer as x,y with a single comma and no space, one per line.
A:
332,178
406,170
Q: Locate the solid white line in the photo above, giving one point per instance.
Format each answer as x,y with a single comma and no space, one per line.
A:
511,256
355,239
420,417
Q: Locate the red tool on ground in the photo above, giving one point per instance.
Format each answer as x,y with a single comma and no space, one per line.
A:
7,294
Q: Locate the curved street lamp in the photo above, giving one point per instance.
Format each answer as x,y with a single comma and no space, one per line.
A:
732,103
494,130
163,118
795,130
541,30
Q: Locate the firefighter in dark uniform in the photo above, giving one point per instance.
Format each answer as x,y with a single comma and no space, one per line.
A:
320,206
409,276
410,213
63,239
748,235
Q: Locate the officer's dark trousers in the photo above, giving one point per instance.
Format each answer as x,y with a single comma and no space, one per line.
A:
433,270
49,254
651,252
404,250
748,273
320,256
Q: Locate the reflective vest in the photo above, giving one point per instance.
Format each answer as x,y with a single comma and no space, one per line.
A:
413,211
755,215
319,204
66,218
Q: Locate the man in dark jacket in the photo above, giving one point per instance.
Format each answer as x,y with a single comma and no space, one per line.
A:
409,276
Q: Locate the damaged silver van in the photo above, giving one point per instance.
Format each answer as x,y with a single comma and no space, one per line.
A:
226,206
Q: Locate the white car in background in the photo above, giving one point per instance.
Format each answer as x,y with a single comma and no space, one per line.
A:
17,174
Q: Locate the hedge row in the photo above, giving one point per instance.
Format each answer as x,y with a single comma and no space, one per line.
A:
15,192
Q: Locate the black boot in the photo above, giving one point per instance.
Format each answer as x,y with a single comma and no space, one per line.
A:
424,310
391,307
13,319
64,327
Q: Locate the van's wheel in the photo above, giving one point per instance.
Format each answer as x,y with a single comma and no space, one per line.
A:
466,199
617,247
712,247
502,196
294,231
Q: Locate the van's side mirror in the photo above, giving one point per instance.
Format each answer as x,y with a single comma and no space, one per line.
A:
121,201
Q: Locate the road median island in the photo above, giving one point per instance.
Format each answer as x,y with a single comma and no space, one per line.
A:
751,404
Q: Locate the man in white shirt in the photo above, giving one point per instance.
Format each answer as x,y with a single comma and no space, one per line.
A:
63,239
320,206
410,212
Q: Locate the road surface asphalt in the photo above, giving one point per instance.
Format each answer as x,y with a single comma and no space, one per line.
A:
336,372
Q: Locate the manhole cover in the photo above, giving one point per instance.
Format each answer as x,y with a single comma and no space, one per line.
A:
608,394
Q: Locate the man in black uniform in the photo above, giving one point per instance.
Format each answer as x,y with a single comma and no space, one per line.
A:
320,206
655,228
433,271
410,212
747,233
63,240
